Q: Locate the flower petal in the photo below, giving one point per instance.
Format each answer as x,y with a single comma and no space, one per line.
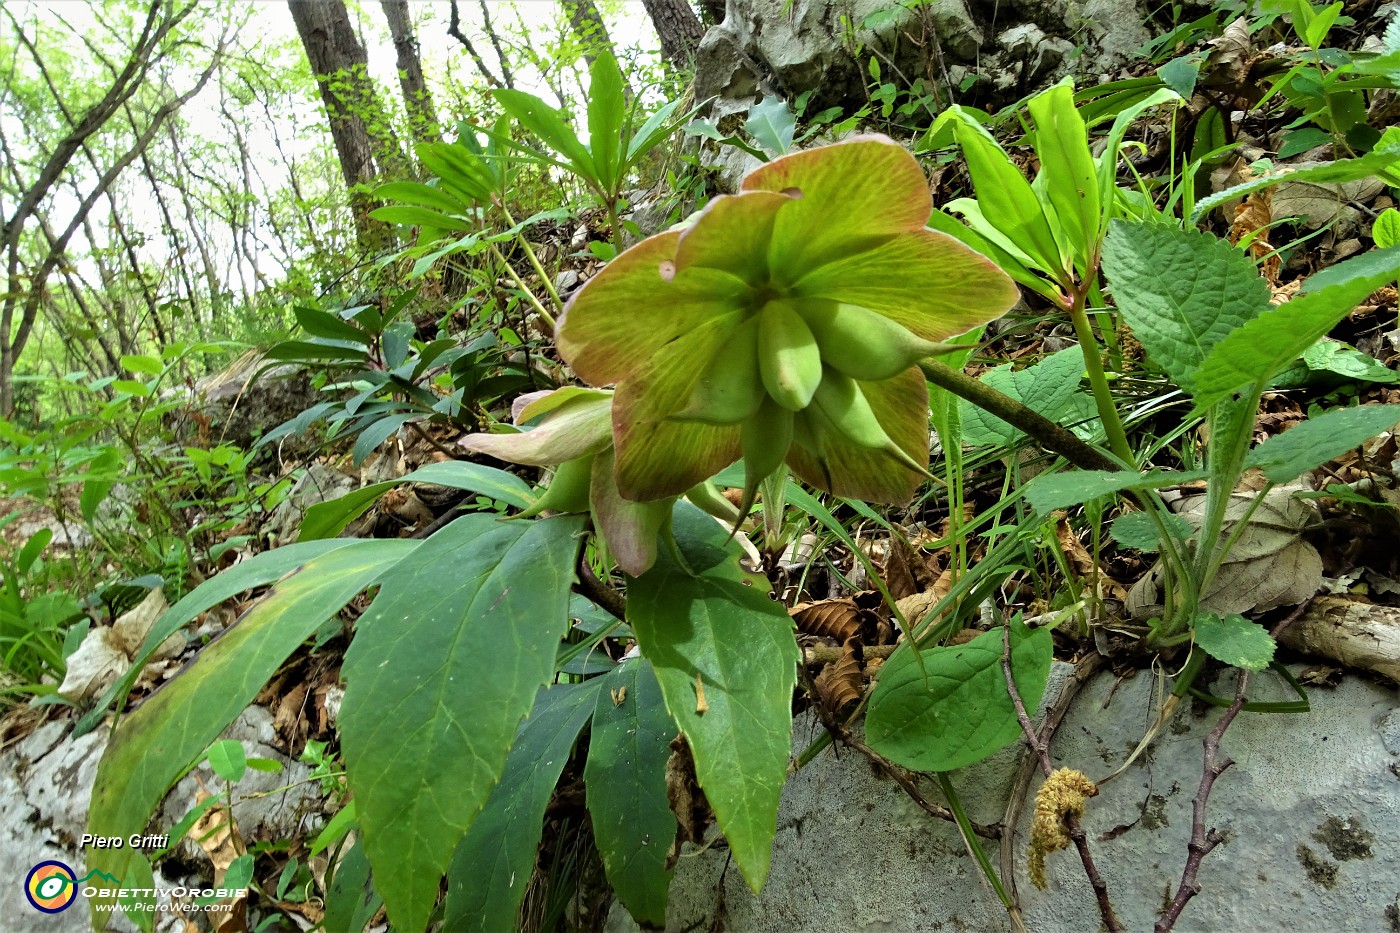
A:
666,458
732,233
580,426
863,190
637,305
925,280
845,469
629,529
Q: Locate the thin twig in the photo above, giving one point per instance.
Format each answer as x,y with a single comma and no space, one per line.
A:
1040,745
1203,840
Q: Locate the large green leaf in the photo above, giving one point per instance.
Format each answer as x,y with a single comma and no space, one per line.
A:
1286,456
545,122
154,745
711,627
1048,387
626,779
607,108
1181,291
326,519
948,707
444,665
1340,170
493,863
1068,173
1271,341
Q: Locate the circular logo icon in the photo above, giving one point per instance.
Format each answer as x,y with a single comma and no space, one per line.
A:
51,887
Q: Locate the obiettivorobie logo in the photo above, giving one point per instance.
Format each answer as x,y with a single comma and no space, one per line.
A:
52,887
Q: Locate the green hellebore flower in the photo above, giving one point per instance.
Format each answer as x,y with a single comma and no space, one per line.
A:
784,325
574,435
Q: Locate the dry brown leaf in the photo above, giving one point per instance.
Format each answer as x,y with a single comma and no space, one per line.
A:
839,683
829,618
1253,216
688,803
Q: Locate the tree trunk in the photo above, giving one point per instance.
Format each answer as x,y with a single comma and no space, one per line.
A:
679,29
364,143
713,11
589,27
422,119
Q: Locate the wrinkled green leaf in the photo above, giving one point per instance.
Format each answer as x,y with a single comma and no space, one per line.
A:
154,745
1267,344
444,664
491,868
1234,640
1137,530
1341,170
1047,387
1333,356
1181,291
1180,74
948,707
1287,456
626,780
713,625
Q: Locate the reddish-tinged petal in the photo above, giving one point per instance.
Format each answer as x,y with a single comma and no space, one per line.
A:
535,405
629,529
732,233
863,190
660,459
844,469
925,280
662,386
577,428
628,312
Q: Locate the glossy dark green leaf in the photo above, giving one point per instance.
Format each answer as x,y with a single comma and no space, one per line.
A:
154,745
351,902
712,632
626,779
948,707
491,868
444,665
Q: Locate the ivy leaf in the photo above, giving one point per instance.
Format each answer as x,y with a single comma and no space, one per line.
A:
1048,387
626,780
445,663
1276,338
948,707
154,745
491,868
1181,291
1287,456
1051,491
1234,640
710,626
771,125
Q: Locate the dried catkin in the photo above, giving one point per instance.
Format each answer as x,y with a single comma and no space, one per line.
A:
1064,792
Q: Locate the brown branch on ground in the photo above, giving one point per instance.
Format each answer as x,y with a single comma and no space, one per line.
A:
1039,744
607,598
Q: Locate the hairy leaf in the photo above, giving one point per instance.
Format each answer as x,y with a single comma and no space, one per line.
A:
709,626
1047,387
1234,640
1287,456
1051,491
444,665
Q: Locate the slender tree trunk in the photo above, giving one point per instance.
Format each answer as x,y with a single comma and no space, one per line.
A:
364,142
589,27
454,29
679,29
422,118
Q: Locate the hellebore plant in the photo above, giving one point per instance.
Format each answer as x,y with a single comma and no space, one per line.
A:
783,325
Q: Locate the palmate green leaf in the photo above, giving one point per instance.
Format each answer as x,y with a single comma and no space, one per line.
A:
1128,109
411,216
544,121
1264,346
444,664
1047,387
1051,491
1067,168
710,626
259,570
1234,640
420,195
154,745
491,868
948,707
981,236
328,519
626,780
1181,291
102,474
1287,456
771,125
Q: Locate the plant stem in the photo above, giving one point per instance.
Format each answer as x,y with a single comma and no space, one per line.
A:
515,276
545,280
1098,380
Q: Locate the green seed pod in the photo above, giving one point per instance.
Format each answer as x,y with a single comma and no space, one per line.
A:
864,344
568,490
765,440
731,389
788,356
840,406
